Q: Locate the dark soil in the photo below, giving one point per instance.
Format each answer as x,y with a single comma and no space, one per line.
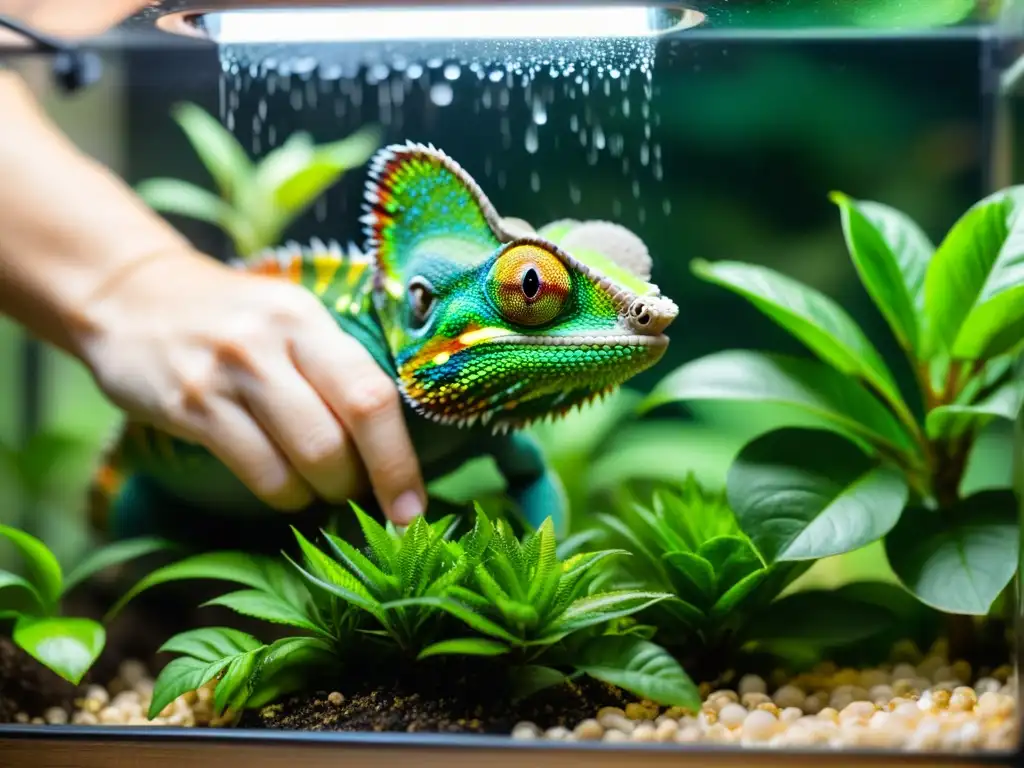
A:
455,697
27,686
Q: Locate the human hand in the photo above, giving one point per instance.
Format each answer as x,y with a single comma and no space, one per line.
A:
256,370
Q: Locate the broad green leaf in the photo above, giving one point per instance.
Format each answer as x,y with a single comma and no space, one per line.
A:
822,617
948,421
974,290
221,153
640,667
180,676
806,384
239,567
465,646
184,199
731,558
607,606
692,575
262,605
67,646
210,643
805,494
41,566
811,316
17,595
111,555
891,254
958,559
326,164
533,678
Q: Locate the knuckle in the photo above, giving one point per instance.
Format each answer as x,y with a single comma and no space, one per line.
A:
370,399
321,446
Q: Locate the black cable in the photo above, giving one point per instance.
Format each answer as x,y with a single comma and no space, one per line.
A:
73,67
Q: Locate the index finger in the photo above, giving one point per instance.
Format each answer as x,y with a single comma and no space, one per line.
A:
367,402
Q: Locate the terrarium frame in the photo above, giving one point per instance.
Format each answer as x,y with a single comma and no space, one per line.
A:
160,745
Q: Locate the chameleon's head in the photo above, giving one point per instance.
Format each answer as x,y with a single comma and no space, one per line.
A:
489,320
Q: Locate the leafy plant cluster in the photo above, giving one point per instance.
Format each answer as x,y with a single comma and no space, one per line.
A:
255,202
878,464
415,595
67,645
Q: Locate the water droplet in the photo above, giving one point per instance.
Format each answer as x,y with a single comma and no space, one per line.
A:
496,76
575,194
452,72
666,206
535,181
441,94
532,141
414,71
645,154
540,114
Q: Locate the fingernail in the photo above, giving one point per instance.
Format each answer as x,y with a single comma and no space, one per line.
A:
406,507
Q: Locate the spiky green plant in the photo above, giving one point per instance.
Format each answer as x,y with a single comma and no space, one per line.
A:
414,595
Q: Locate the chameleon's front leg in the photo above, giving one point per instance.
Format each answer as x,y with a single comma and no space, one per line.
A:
531,482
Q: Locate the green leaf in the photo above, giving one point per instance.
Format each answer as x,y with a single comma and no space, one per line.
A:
729,602
974,290
239,567
233,688
692,575
958,559
950,421
640,667
42,567
382,546
297,190
822,617
731,558
891,254
288,665
465,646
806,384
463,613
221,153
67,646
804,494
605,606
533,678
812,317
210,643
18,595
180,676
111,555
184,199
262,605
379,584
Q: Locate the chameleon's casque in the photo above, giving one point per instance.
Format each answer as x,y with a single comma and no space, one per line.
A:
484,323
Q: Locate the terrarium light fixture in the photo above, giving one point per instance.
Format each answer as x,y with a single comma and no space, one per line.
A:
394,21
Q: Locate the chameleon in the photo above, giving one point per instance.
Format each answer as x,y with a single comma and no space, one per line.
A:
485,325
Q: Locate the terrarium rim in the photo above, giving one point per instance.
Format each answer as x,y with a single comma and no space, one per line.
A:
462,741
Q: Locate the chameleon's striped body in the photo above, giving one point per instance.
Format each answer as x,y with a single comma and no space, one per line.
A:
484,324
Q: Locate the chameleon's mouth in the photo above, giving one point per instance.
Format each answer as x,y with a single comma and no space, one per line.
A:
583,341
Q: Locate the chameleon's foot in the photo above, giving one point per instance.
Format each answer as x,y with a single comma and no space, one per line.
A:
545,498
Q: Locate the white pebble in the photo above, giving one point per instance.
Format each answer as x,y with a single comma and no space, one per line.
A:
789,696
525,730
732,715
588,730
760,725
791,714
55,716
752,684
557,733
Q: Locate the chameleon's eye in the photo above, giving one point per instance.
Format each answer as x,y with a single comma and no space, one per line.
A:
421,298
529,285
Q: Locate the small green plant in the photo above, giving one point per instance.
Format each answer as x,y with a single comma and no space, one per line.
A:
877,467
686,541
255,203
66,645
414,595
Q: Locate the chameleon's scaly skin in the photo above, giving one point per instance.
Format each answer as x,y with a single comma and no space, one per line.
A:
485,324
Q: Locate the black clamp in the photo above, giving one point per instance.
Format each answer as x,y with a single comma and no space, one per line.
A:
73,67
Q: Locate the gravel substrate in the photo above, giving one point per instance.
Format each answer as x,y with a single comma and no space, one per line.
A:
932,705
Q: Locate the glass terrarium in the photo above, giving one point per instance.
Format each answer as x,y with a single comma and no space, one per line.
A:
705,318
